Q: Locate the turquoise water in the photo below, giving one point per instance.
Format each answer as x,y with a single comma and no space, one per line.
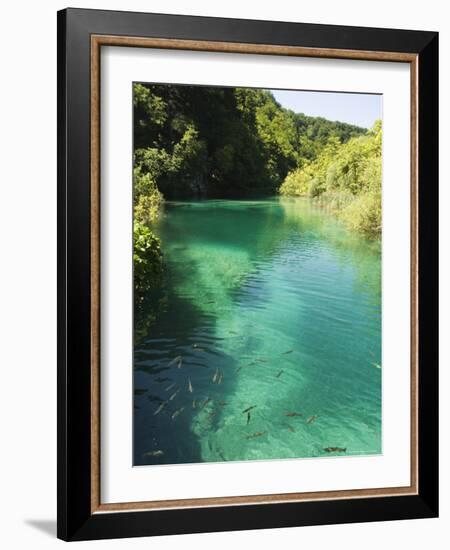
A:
270,304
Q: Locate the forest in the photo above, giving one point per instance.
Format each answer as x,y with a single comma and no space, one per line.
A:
212,142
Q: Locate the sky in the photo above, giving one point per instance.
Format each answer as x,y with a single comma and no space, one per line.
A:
359,109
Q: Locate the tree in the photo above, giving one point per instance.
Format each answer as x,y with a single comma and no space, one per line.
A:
346,177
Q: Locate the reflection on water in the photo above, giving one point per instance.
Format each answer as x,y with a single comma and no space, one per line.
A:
268,342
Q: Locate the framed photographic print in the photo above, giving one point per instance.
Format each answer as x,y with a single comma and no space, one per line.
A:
247,274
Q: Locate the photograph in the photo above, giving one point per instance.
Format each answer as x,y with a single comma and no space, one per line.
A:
247,272
257,230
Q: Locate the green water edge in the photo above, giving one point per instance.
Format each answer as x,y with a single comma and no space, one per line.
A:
267,344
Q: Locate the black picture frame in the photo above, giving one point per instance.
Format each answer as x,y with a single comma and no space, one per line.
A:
75,518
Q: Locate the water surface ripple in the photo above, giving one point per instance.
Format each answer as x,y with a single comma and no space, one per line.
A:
270,305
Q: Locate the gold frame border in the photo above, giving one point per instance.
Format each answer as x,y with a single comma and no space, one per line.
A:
97,41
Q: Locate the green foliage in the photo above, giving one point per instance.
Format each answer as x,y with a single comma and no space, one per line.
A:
147,260
297,182
347,178
147,255
147,198
363,214
194,141
145,102
223,142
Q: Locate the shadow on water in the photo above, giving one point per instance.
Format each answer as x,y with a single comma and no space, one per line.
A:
181,375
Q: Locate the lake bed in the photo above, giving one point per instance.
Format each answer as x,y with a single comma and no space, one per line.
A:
267,341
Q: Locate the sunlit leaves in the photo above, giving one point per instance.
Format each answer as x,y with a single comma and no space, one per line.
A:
346,177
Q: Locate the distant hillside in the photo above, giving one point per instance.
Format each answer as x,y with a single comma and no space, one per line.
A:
222,142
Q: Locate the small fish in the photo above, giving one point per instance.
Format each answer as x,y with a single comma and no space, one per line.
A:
221,456
311,419
172,397
154,398
290,428
376,365
288,351
239,368
177,358
215,376
335,449
222,403
279,374
177,412
219,381
170,386
256,434
233,332
248,418
248,409
190,388
194,405
154,453
159,379
199,349
292,414
160,408
180,362
205,402
261,360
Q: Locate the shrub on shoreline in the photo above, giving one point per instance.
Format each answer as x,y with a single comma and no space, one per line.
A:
347,179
